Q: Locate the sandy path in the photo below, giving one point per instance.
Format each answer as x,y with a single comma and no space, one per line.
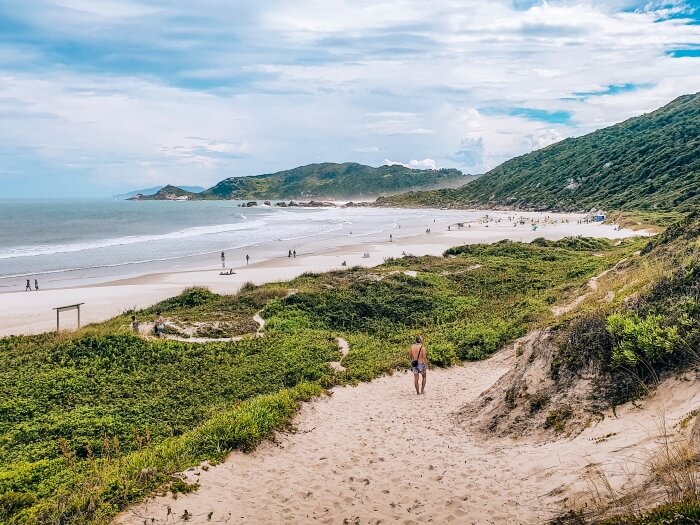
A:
343,348
377,453
373,452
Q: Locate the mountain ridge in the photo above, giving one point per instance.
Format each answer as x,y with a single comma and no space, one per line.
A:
322,181
329,180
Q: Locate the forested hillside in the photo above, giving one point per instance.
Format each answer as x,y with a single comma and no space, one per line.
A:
651,162
331,181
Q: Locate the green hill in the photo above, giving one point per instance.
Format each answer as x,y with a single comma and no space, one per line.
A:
168,192
330,181
651,162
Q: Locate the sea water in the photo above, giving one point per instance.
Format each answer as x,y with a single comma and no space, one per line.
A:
71,242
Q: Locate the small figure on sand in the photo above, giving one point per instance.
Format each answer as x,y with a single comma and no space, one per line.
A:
28,288
36,285
247,258
419,363
229,272
159,326
344,263
134,324
290,253
391,238
223,260
294,254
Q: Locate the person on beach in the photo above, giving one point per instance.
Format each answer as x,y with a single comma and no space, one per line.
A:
391,238
419,363
290,253
223,260
159,325
28,288
294,254
36,285
247,258
134,324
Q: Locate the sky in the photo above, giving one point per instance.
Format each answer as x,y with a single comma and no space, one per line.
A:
103,96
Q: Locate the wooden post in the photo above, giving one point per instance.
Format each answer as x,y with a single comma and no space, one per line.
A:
63,309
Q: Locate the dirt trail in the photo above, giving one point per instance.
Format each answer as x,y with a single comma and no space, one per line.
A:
344,348
147,329
379,453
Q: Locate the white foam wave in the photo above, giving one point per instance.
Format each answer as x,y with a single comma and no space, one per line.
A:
197,231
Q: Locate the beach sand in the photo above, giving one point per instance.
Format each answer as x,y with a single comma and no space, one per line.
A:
377,453
31,312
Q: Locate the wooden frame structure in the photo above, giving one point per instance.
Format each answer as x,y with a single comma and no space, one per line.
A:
63,309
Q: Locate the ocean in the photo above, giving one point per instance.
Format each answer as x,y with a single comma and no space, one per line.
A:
62,242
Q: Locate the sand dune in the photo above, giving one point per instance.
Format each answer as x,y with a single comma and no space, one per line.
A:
377,453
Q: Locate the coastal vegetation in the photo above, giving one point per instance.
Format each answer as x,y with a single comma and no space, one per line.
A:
93,421
647,163
649,330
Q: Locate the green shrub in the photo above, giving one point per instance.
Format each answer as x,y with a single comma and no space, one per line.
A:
478,340
641,338
442,354
12,502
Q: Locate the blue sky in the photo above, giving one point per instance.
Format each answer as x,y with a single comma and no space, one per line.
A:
98,97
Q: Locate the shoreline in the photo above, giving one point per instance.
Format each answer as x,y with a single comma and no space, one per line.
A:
24,313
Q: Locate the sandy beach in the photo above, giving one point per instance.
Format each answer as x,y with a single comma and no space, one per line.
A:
31,312
377,453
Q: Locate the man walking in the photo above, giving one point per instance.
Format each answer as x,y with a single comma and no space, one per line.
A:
223,260
28,288
419,363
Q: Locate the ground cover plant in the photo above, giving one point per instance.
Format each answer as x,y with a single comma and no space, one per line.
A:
92,421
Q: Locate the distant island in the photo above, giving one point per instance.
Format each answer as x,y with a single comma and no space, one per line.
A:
647,163
154,190
326,181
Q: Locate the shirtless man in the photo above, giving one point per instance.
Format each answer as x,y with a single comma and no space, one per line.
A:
419,363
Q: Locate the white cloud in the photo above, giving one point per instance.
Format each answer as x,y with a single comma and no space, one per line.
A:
425,164
284,84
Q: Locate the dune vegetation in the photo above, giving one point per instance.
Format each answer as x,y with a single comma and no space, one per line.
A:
93,421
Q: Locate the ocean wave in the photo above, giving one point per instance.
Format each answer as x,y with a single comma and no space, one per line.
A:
330,230
161,259
197,231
